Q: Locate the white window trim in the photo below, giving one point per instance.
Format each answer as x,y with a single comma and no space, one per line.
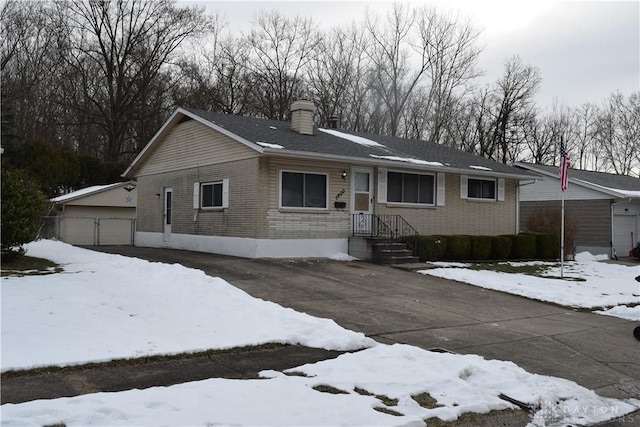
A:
302,208
409,204
499,185
198,193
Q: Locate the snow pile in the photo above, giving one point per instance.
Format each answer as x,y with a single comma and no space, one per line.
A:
588,283
105,307
459,384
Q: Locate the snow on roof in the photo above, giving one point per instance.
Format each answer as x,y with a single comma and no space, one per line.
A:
408,160
481,168
269,145
83,192
353,138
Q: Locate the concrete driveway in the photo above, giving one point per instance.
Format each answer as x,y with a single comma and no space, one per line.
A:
395,306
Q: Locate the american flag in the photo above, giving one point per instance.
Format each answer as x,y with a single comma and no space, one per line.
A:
565,163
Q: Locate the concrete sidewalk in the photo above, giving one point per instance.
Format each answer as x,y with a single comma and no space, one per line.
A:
394,306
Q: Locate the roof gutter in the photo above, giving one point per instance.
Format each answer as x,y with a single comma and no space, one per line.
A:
388,163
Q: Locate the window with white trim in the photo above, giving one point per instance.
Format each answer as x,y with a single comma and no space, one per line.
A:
481,189
410,188
303,190
211,195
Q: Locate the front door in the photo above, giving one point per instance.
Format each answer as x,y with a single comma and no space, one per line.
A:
361,199
168,213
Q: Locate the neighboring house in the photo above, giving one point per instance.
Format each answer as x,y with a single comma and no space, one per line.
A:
605,206
252,187
98,215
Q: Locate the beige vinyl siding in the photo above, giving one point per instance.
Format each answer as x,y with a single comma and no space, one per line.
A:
112,197
460,216
191,143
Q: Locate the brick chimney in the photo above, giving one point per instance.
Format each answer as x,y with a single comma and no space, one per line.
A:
302,117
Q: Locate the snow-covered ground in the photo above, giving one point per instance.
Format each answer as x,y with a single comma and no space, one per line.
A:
601,284
107,306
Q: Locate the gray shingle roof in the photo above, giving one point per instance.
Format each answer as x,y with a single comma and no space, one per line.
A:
414,153
607,180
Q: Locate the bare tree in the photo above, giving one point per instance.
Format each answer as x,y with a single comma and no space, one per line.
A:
513,98
394,44
120,48
281,50
619,132
586,152
450,45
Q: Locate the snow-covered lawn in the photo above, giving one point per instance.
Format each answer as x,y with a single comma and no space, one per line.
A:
107,306
599,284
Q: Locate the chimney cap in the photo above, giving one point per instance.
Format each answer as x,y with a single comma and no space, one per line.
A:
303,104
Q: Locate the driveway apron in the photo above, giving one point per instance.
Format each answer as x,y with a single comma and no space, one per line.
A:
395,306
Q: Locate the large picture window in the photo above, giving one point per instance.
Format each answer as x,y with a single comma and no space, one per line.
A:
303,190
481,189
410,188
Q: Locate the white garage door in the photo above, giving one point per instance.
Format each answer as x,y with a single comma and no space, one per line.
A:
623,226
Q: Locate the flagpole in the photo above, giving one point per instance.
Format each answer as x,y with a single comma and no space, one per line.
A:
562,239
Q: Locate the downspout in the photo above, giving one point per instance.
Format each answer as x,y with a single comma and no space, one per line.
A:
613,249
521,184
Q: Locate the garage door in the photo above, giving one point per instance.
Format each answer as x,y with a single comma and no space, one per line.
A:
623,226
114,231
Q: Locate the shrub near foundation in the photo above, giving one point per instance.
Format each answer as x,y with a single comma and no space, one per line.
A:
500,247
481,248
547,246
458,248
432,248
523,246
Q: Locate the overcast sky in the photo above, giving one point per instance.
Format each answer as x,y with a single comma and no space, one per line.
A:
585,50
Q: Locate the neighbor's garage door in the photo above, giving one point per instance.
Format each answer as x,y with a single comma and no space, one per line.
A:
623,226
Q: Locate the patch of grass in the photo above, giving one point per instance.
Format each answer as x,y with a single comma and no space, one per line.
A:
532,270
388,411
28,266
296,374
472,418
362,391
386,400
325,388
140,360
426,401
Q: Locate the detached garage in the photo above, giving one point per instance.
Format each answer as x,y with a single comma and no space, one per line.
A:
605,206
98,215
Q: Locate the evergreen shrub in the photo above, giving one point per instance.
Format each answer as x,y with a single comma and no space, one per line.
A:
481,248
501,247
458,248
523,246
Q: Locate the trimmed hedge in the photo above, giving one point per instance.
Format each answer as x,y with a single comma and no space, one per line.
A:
501,247
524,246
458,248
489,248
481,247
432,248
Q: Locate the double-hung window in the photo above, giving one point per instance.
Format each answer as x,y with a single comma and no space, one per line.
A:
410,188
481,189
303,190
211,195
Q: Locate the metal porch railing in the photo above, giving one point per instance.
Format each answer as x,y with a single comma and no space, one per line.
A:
385,227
